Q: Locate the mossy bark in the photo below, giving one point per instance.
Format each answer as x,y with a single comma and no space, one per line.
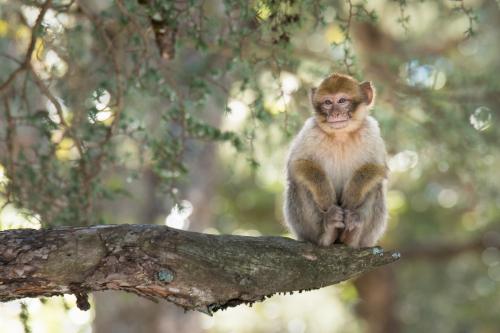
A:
193,270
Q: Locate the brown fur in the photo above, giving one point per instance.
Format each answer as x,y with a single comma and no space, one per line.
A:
344,168
314,179
339,82
361,183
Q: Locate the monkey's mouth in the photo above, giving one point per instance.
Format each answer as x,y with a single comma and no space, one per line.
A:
337,121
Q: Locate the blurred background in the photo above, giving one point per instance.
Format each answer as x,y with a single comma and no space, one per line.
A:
181,112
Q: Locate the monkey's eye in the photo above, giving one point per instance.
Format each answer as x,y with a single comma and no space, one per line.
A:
328,102
342,100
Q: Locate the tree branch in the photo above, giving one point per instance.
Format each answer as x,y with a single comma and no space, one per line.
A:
446,250
193,270
31,47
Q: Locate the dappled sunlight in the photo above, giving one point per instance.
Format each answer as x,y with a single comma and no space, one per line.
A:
423,75
13,218
22,36
51,315
334,34
53,111
101,99
54,64
396,202
102,111
211,231
4,28
66,150
236,115
447,198
289,83
149,112
3,177
481,118
419,115
246,232
105,116
179,215
320,311
403,161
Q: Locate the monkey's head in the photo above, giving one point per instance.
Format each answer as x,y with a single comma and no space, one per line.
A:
341,103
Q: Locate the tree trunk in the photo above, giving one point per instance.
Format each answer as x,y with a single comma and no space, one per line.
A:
377,293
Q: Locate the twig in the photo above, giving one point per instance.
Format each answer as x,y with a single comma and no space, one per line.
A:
469,13
31,47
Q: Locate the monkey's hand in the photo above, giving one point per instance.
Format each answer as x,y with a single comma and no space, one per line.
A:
350,235
332,225
334,217
352,219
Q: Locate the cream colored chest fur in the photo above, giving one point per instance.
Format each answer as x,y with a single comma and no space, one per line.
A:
339,157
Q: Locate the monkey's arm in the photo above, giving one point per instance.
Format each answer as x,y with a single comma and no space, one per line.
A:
309,175
321,225
360,200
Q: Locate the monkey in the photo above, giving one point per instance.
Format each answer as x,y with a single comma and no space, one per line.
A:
336,170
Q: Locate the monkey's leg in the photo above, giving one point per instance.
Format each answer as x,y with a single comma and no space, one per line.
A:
358,199
301,213
355,221
373,230
332,225
312,178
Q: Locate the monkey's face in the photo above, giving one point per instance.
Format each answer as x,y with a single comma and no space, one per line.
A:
341,103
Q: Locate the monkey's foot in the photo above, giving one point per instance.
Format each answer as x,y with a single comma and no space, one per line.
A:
352,220
350,235
332,225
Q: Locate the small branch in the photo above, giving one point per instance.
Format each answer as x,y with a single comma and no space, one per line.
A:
31,47
164,29
471,17
403,16
193,270
347,31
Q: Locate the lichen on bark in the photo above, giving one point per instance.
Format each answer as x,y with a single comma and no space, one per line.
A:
193,270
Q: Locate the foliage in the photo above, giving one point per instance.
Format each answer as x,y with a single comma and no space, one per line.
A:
96,94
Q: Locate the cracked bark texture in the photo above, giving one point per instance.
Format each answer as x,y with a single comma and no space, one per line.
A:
193,270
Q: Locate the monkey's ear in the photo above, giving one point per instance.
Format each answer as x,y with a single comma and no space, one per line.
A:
312,92
368,92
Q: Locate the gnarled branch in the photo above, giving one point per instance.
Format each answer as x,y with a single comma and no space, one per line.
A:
196,271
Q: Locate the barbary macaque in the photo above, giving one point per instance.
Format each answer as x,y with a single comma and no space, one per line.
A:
336,168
